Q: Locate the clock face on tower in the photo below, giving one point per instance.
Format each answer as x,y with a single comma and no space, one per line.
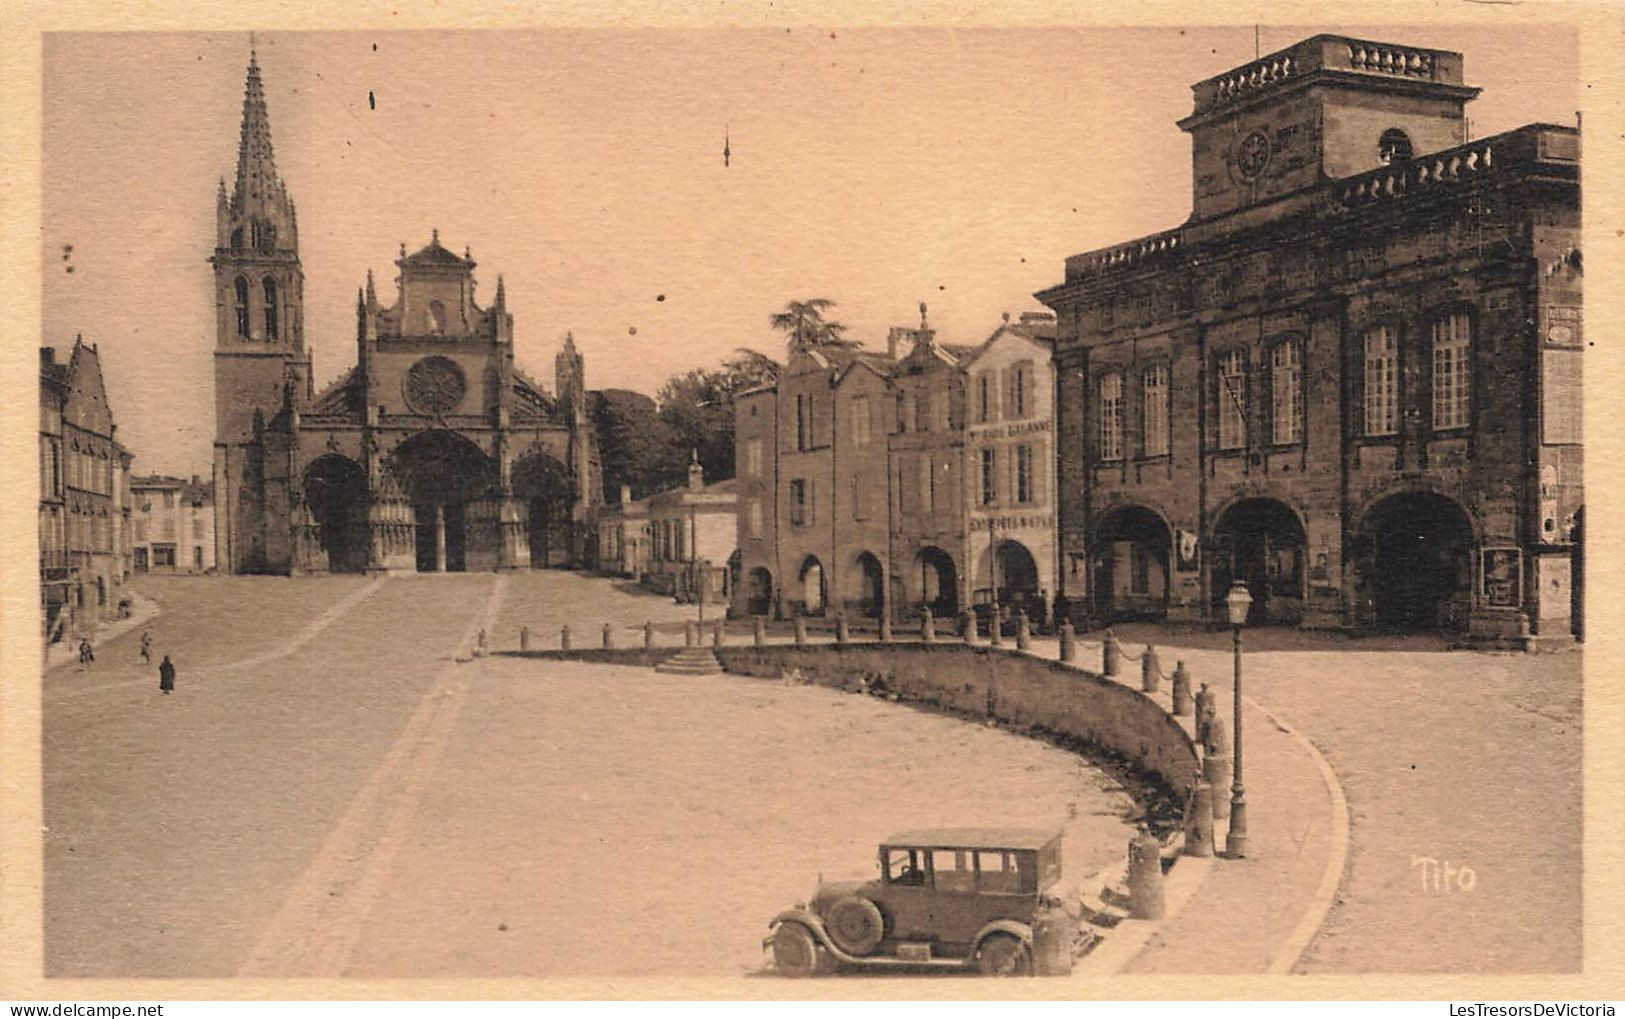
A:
434,385
1252,155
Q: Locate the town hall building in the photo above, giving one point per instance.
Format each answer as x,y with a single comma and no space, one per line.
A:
434,452
1350,380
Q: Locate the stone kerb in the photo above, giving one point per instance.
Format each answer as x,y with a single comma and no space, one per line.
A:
1008,686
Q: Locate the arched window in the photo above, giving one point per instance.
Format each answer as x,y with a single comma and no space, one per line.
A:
1452,371
1394,146
237,237
267,238
242,307
270,308
437,318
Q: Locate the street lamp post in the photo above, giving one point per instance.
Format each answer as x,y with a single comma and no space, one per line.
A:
1237,602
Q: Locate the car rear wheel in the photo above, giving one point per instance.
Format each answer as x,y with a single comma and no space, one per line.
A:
794,952
855,925
1003,955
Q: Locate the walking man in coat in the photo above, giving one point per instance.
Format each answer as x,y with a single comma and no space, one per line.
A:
146,646
86,654
166,675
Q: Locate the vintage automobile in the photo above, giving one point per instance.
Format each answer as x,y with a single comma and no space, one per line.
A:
950,897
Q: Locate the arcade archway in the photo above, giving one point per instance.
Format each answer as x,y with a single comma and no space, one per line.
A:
1415,562
870,580
811,578
441,473
1131,565
939,581
543,485
1260,542
336,491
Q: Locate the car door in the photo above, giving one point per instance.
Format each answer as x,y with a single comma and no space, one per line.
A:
907,876
955,912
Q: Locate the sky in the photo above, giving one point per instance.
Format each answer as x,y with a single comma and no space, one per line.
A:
876,167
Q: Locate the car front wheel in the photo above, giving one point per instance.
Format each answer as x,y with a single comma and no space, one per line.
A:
1003,955
794,952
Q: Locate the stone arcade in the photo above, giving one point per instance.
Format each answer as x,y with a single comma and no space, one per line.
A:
434,452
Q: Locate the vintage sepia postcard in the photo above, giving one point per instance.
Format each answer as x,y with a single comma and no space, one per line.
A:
824,503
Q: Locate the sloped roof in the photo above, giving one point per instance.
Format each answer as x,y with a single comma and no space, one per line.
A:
434,253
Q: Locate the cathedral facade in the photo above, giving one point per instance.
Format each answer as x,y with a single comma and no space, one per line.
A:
434,452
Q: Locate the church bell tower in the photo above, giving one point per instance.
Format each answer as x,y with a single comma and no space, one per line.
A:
260,360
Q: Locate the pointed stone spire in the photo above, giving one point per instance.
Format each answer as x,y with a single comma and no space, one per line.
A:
372,295
501,300
256,163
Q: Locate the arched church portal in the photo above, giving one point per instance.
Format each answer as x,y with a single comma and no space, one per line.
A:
443,473
542,484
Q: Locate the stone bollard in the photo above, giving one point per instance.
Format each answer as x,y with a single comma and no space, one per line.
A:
1182,690
1069,642
995,635
648,636
968,622
716,634
609,639
758,631
1150,671
1216,768
841,633
1199,825
1023,631
1109,655
928,627
524,638
1145,877
801,631
1216,740
1205,708
479,644
564,637
691,633
885,629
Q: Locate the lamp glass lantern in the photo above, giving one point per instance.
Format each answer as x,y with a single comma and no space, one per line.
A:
1237,602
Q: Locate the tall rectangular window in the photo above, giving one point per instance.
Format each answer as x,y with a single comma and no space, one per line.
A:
756,518
1020,376
902,413
801,421
859,511
753,458
1233,399
798,503
1381,381
860,420
1111,416
990,482
1452,374
939,411
1286,382
984,398
1024,473
928,487
1154,411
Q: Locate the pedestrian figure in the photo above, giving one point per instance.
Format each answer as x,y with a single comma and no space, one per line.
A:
146,646
166,675
1206,708
86,654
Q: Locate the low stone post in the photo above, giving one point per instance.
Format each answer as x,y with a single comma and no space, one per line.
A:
1150,671
479,644
1182,690
885,628
801,631
564,637
609,639
1199,824
524,638
758,631
716,634
928,627
691,633
841,634
968,621
1216,767
1023,633
648,636
1109,655
1145,877
995,636
1069,642
1205,710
